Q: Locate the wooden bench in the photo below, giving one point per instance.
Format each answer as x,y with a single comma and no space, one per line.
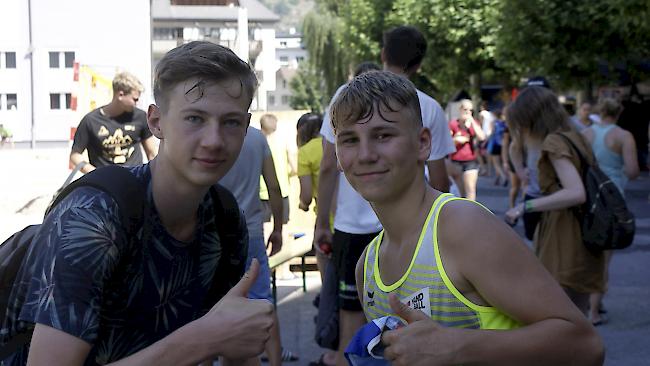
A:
299,247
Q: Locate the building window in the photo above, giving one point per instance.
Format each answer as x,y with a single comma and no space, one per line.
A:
284,84
55,101
284,59
300,59
10,60
68,59
283,44
54,60
12,101
68,100
271,99
285,99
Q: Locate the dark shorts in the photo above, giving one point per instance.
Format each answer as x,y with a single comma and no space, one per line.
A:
494,149
347,249
531,219
466,165
267,214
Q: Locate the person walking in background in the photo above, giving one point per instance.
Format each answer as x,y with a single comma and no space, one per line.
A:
116,132
464,167
486,119
515,183
536,115
582,119
6,137
615,152
494,147
284,160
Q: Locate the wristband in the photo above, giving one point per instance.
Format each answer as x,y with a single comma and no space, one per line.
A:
528,206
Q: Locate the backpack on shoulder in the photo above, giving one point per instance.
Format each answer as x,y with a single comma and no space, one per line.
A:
130,194
605,221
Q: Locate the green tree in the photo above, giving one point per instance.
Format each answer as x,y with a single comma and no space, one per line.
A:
571,42
306,90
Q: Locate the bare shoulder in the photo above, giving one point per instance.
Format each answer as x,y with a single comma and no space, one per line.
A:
467,226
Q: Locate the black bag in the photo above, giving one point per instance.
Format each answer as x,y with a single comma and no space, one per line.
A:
605,221
130,196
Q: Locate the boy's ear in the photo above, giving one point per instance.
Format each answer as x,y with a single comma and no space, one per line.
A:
424,139
153,120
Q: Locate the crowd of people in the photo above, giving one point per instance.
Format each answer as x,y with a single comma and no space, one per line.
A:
376,170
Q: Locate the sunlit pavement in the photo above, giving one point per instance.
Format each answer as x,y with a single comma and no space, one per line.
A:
27,175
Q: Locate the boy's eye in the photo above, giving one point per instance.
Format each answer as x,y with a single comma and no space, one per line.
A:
194,119
349,140
232,123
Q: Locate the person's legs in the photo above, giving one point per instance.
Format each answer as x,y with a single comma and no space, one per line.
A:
596,299
501,177
515,187
580,299
470,177
455,171
347,251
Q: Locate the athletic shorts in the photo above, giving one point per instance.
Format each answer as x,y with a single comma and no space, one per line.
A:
261,289
466,165
347,249
268,214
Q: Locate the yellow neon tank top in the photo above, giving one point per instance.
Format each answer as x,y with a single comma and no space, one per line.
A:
425,284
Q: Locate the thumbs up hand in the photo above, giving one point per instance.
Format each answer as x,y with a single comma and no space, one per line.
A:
421,342
237,327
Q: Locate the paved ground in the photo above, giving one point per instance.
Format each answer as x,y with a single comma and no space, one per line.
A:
34,175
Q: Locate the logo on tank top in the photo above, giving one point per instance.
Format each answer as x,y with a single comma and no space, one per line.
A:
371,301
419,301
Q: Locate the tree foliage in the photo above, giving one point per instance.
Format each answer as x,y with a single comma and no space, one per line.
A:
571,42
307,92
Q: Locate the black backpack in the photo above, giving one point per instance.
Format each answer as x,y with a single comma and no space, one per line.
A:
605,221
130,196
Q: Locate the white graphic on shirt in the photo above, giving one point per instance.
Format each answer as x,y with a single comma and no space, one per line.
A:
419,301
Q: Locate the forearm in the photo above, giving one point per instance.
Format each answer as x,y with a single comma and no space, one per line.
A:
326,186
564,198
76,158
275,201
182,347
306,190
548,342
438,177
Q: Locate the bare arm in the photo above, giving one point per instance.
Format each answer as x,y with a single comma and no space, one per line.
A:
326,186
480,134
438,177
358,273
76,158
306,192
493,264
630,160
150,147
275,200
517,158
571,194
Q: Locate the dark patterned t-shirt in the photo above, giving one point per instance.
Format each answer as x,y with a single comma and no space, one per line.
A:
86,278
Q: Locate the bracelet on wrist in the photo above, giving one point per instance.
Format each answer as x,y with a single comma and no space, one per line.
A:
528,206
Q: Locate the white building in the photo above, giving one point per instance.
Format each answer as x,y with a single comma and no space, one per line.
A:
245,26
290,53
105,36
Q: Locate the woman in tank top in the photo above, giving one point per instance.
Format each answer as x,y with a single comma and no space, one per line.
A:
615,152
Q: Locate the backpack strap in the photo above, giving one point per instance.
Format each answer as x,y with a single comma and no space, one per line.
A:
584,164
232,233
125,188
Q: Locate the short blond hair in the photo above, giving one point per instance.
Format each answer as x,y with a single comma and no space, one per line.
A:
369,92
127,83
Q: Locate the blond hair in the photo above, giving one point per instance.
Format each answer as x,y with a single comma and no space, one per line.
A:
371,92
126,82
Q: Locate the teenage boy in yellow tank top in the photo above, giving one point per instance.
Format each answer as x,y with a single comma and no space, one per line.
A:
481,266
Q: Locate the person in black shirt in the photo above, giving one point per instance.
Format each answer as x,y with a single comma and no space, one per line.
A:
113,134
